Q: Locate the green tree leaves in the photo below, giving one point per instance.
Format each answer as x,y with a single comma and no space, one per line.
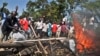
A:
92,5
55,9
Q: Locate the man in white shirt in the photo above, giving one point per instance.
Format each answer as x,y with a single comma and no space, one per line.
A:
39,26
44,29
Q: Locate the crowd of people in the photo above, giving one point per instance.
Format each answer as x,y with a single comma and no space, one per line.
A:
54,29
13,26
19,28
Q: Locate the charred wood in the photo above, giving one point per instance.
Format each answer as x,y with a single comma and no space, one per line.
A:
17,45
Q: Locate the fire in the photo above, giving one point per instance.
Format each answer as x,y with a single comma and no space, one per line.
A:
84,38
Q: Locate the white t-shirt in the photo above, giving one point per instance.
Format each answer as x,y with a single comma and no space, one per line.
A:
71,29
39,25
59,29
45,27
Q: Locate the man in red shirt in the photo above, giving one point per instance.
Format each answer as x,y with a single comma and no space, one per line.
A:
24,23
54,29
25,26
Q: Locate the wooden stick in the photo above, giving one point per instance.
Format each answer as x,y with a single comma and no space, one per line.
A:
62,38
45,52
26,43
33,30
16,45
42,47
16,9
38,50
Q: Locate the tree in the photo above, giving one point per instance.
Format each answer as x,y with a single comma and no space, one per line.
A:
54,9
25,14
94,7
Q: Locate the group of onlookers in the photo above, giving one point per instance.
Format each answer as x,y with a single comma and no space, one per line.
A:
12,25
53,29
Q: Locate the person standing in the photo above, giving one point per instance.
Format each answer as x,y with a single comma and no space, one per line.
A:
49,32
54,29
24,23
39,26
8,25
44,29
64,30
3,15
58,31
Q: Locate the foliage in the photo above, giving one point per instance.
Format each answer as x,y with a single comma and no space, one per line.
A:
92,5
53,9
25,14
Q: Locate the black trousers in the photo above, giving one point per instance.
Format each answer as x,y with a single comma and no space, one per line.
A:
5,34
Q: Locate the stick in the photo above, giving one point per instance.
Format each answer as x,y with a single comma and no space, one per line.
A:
39,41
42,47
18,45
62,38
16,9
38,50
33,30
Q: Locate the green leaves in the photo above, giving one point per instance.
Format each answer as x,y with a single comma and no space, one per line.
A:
54,9
92,5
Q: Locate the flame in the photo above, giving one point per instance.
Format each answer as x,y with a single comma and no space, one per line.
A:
84,38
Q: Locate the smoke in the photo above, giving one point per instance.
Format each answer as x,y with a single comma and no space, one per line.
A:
91,28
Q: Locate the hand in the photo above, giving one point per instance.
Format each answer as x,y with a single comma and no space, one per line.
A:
5,4
16,8
21,27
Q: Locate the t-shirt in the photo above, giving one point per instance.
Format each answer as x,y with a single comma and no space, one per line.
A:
54,28
24,23
64,28
71,29
59,29
45,27
39,25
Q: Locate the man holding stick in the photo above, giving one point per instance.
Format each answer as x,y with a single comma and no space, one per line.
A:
8,24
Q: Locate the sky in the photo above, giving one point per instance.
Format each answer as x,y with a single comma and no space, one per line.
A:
13,3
